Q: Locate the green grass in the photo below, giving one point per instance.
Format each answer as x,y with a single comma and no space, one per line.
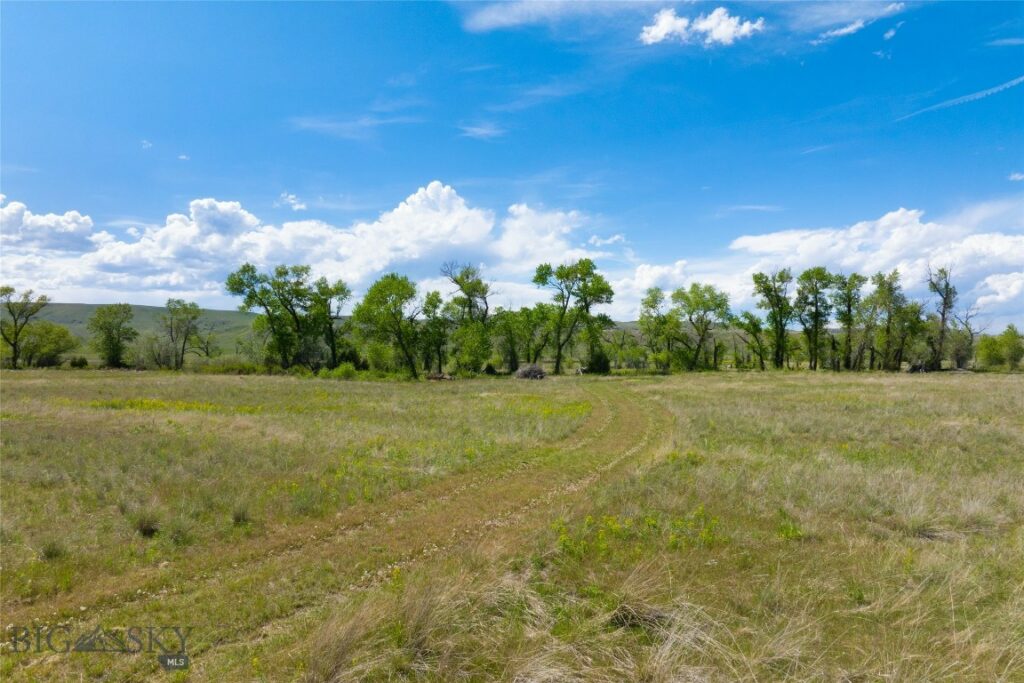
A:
702,527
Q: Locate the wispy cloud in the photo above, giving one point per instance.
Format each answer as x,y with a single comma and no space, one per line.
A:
540,94
350,129
816,149
1005,42
847,18
891,33
748,208
145,144
982,94
183,157
1016,177
482,131
499,15
605,241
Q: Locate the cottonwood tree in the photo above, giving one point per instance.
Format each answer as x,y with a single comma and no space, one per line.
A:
750,328
387,314
940,285
299,314
44,343
704,307
577,287
773,290
19,312
889,300
659,327
1013,346
814,309
180,325
846,299
112,332
472,336
434,330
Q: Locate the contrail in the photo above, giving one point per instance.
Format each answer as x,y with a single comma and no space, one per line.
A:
967,98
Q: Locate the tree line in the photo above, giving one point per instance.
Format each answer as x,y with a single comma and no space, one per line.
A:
817,320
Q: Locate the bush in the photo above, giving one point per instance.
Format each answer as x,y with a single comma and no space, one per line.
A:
489,369
53,549
226,366
346,371
530,371
599,364
79,362
146,523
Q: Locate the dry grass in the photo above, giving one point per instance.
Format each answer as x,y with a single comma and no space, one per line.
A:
712,527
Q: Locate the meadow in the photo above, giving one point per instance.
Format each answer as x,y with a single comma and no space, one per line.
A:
709,526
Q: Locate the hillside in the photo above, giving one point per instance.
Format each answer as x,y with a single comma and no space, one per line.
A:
228,325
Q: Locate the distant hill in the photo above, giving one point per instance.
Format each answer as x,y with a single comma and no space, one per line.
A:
228,325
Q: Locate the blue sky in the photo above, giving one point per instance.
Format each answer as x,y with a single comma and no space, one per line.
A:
147,149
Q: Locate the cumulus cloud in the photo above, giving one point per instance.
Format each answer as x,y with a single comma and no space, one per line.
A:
718,27
21,227
189,254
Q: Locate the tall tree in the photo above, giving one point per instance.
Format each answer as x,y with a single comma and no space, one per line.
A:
180,326
940,285
814,309
19,312
578,288
889,300
434,331
751,331
471,339
704,307
112,332
300,314
388,314
773,290
846,298
326,302
660,328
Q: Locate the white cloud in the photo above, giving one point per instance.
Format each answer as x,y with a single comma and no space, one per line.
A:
847,30
605,241
183,157
515,13
21,227
145,144
1016,177
189,254
891,33
718,27
482,131
289,199
1006,42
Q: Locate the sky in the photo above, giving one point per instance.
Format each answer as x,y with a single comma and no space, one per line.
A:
148,149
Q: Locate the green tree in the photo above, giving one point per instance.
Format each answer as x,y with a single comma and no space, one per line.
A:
773,290
302,316
704,307
388,314
45,342
814,309
112,332
846,299
180,324
990,352
1013,346
434,331
19,311
889,301
660,328
578,288
750,329
326,301
940,285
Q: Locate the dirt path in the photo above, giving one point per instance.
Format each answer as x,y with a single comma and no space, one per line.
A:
286,585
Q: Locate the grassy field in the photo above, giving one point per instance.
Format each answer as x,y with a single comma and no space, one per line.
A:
703,527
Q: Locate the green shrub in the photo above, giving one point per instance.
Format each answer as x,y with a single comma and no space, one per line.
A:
79,362
53,549
226,366
146,522
345,371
